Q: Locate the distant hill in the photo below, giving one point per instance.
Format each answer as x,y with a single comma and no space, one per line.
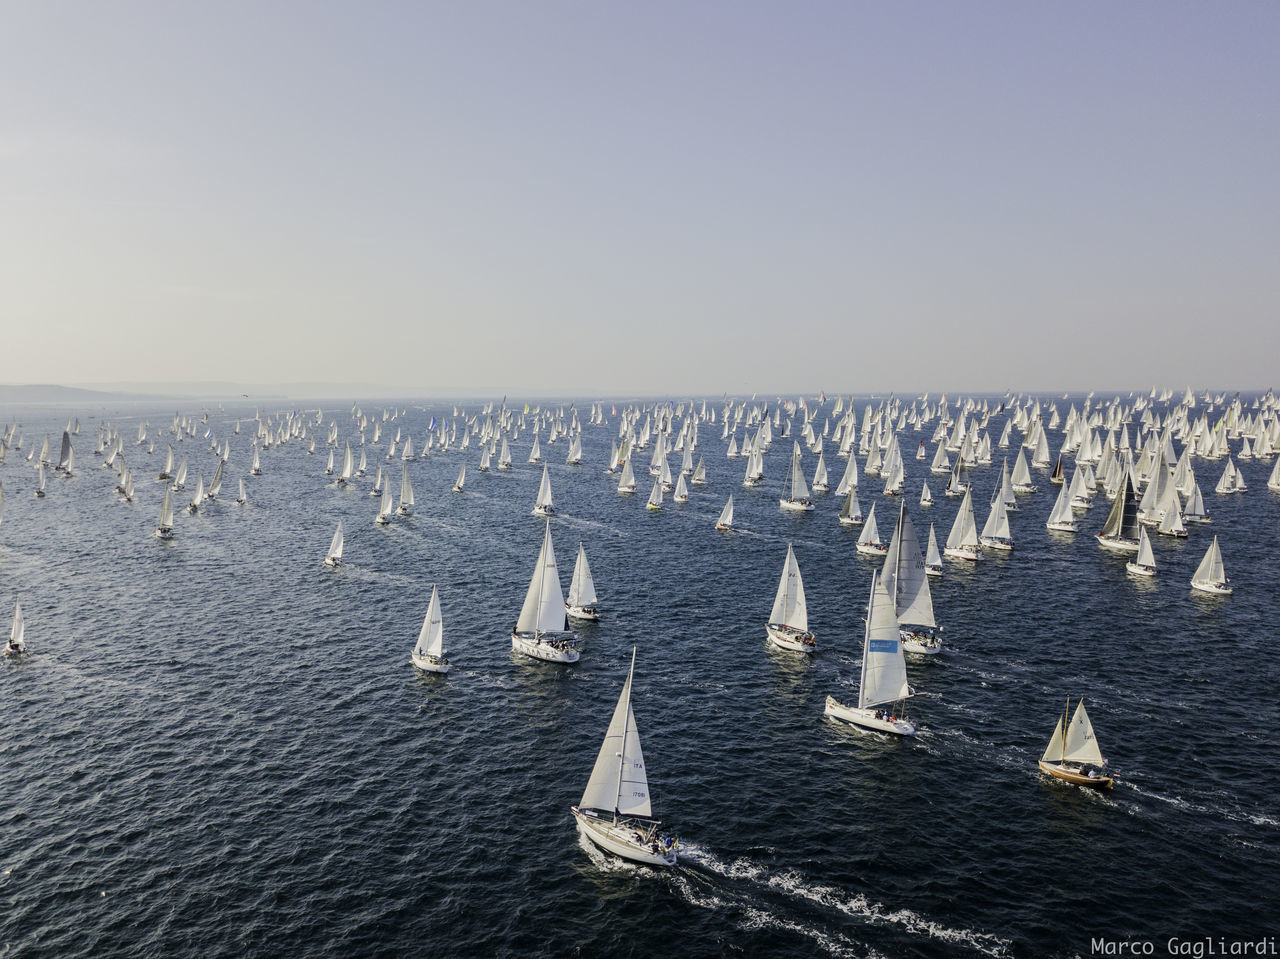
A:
53,394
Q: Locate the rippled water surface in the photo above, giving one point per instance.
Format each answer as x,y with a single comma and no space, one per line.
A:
217,747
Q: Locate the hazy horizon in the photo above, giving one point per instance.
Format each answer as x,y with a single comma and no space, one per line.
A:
573,198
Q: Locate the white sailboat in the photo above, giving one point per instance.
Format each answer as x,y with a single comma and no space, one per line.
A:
1061,518
1194,511
334,557
615,812
428,653
1210,576
1120,531
540,630
884,672
926,497
256,468
869,539
194,505
1073,755
543,506
406,492
581,601
40,481
788,626
385,508
17,643
932,558
681,494
462,478
164,530
906,581
995,531
241,499
963,542
725,522
627,480
851,511
655,496
1145,564
795,490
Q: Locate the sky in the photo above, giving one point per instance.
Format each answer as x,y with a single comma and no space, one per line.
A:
659,198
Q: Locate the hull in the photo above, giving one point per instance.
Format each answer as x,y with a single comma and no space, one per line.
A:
589,613
872,549
620,840
544,511
555,648
868,718
933,570
994,542
1075,775
331,562
847,521
1138,570
969,553
1117,545
1063,527
723,528
1218,589
784,637
430,664
799,505
164,532
914,641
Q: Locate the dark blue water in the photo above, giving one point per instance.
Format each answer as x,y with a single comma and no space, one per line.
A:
217,747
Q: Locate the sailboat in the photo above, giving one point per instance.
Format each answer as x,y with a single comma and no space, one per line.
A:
428,653
869,539
462,478
655,496
725,522
932,558
963,543
788,626
17,643
1210,576
241,499
796,491
377,482
543,506
681,494
615,812
256,468
884,672
906,581
1120,531
581,602
406,492
540,630
995,531
851,511
334,558
627,481
1145,564
1073,755
1194,511
194,505
926,498
40,484
385,508
164,530
1061,518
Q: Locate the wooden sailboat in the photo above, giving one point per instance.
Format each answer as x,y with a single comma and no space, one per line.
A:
1073,755
615,812
540,630
1210,576
428,653
788,626
581,601
883,682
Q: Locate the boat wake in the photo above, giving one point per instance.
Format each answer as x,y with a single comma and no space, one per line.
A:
790,890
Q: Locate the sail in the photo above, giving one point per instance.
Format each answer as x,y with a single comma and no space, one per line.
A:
18,631
789,608
627,481
406,488
1021,472
1056,749
582,589
884,668
799,489
335,548
431,638
655,495
1081,745
933,558
726,514
1122,521
851,510
618,782
166,509
964,531
1061,509
64,457
1211,569
385,507
462,477
997,524
904,575
870,533
543,609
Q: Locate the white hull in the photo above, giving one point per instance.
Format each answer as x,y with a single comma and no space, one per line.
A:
923,643
552,649
620,839
1218,589
847,521
1117,545
969,553
993,542
589,613
1137,570
790,639
933,570
1063,527
799,505
331,562
544,511
873,549
430,664
867,718
164,533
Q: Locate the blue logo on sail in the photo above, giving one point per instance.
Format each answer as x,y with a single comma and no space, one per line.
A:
882,645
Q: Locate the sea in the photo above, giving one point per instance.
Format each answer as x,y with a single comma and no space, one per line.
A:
216,746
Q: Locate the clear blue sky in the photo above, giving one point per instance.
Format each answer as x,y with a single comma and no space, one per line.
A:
608,197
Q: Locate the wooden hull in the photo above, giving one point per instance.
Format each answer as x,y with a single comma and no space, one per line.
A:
1071,775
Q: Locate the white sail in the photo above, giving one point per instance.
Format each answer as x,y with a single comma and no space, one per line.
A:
926,497
655,495
1210,571
1060,517
789,608
431,637
964,531
1146,557
543,609
627,481
385,508
544,504
335,547
884,668
242,499
870,535
166,509
681,494
406,489
18,632
996,528
618,783
462,478
1081,746
932,558
904,576
582,588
